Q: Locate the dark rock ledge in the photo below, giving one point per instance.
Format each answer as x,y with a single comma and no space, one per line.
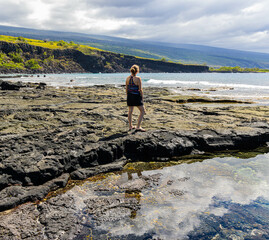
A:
34,164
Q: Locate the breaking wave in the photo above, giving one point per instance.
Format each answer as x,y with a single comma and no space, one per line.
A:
205,83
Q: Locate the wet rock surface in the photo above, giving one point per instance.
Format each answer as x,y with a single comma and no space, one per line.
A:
66,216
49,135
21,224
162,205
109,208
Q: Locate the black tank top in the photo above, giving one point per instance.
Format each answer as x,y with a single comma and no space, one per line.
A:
132,87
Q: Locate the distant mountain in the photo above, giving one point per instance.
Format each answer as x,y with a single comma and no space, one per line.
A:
184,53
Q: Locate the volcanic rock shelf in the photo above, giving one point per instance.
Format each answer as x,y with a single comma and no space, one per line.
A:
49,135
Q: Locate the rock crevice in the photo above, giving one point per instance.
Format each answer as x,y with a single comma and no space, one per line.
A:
37,173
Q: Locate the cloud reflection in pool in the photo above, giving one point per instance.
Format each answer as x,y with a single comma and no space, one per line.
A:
172,209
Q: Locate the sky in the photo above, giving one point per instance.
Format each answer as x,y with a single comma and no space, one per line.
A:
235,24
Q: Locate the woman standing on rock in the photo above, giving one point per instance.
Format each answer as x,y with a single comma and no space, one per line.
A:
135,97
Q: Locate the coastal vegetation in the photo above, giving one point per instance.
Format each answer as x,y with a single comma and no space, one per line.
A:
16,60
7,62
24,55
45,43
84,48
237,69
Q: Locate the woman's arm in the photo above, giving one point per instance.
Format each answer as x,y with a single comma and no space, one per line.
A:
126,85
140,87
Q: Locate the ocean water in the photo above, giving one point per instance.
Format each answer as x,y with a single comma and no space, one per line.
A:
246,86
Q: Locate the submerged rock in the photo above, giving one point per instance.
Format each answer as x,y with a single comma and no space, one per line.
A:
110,208
134,185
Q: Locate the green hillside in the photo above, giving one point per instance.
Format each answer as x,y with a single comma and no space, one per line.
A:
25,55
183,53
16,60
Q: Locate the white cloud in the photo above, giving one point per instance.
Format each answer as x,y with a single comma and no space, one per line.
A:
40,11
233,24
256,8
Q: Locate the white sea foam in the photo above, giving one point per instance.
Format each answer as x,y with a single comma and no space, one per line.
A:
171,82
205,83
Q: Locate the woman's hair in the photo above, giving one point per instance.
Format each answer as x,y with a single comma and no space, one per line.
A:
134,69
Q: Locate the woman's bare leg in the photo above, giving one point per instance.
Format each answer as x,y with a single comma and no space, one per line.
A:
140,118
130,113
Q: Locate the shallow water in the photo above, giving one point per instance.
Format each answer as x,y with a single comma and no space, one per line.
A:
217,198
211,196
246,86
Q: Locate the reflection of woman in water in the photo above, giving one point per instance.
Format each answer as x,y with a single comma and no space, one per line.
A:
133,193
135,97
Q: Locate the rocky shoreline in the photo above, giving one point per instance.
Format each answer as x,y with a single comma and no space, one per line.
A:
50,135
